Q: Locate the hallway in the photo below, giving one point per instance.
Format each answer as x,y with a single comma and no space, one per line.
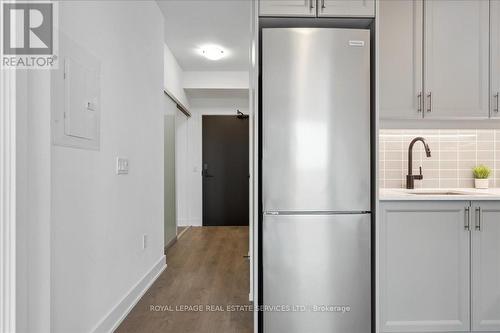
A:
205,267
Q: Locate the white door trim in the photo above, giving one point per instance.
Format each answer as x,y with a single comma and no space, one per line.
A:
8,201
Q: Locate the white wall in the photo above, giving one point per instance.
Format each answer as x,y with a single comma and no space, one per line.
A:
215,80
33,182
173,77
99,218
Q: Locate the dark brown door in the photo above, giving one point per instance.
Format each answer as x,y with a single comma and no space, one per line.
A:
225,171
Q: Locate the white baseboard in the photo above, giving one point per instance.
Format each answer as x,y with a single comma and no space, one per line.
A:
114,318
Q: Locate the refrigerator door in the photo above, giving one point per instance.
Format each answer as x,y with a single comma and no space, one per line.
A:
318,266
316,119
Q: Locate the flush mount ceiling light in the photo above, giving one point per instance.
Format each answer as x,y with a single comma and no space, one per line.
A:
213,52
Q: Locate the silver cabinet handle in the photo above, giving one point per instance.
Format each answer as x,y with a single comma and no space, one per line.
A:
311,4
496,102
419,104
429,107
323,6
478,218
467,218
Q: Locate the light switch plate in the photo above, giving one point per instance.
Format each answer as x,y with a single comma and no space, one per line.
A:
121,165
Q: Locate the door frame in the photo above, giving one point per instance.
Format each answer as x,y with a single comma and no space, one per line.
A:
8,202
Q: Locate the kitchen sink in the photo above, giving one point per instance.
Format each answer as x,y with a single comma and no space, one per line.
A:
442,192
438,193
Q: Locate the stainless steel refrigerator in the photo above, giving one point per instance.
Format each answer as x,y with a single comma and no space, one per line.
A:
316,251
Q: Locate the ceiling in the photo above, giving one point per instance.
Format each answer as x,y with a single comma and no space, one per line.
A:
189,24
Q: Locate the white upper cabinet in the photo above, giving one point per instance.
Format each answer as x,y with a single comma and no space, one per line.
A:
424,267
495,58
400,54
313,8
456,59
346,8
290,8
486,267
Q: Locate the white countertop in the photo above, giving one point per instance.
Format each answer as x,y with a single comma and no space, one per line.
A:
461,194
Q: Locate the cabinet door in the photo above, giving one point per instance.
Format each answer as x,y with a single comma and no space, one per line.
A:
495,58
424,267
300,8
400,59
456,73
486,267
346,8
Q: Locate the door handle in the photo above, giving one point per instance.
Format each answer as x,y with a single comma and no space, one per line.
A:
311,4
419,104
323,5
429,107
467,218
496,102
478,218
206,174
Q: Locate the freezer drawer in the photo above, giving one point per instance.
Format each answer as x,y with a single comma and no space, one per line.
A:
316,119
318,260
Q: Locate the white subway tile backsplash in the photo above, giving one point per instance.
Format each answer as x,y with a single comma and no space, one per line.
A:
466,183
454,154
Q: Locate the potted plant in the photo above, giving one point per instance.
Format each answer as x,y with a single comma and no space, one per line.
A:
481,174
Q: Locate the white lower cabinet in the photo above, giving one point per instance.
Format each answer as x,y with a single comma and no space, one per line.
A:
439,266
424,267
486,266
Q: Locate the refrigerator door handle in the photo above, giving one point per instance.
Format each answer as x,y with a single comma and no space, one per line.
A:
312,213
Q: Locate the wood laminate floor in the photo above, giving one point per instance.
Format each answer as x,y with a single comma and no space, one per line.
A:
180,231
204,267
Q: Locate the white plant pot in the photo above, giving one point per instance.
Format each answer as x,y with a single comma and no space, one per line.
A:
481,183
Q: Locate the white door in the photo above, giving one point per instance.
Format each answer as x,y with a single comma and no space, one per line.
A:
346,8
495,58
424,267
400,59
300,8
486,267
456,59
